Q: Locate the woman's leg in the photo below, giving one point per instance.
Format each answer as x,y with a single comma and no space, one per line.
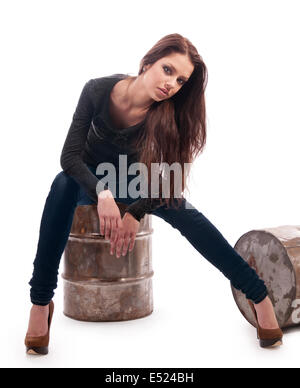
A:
55,227
65,194
208,241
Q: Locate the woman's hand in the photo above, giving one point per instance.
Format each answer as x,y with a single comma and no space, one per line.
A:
125,236
109,215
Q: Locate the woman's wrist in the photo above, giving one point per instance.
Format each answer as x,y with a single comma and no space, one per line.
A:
105,194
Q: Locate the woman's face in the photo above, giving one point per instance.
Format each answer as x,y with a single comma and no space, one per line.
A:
169,73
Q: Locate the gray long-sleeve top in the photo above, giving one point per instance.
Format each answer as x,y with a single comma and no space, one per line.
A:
92,139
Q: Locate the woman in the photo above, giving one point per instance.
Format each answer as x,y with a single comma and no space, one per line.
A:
157,116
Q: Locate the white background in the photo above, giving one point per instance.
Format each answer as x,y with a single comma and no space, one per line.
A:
247,178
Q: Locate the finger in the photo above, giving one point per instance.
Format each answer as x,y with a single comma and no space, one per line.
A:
120,224
131,244
113,231
102,225
119,246
107,229
112,247
125,245
113,243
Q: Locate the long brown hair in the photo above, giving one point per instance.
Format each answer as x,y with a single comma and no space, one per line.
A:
175,128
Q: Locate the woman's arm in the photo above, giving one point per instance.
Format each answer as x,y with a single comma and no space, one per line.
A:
70,160
142,206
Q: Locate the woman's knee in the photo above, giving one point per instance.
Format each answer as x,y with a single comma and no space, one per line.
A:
65,185
179,216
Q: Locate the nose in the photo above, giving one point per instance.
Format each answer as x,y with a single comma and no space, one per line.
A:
170,84
168,87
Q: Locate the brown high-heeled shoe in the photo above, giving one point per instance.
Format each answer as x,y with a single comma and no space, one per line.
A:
39,345
267,337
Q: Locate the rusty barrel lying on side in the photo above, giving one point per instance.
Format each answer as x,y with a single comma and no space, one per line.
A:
274,253
99,286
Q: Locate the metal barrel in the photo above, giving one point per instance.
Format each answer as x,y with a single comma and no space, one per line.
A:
274,253
99,286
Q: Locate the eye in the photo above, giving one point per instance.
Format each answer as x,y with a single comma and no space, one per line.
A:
181,80
166,67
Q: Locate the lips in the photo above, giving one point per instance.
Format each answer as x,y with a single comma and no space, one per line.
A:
164,91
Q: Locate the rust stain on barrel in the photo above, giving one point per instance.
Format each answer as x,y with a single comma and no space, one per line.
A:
273,258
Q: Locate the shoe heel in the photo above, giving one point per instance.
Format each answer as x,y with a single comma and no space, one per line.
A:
37,350
272,343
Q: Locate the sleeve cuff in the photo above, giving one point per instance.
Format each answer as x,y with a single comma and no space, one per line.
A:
141,207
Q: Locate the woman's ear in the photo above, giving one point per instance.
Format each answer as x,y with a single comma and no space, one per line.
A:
145,67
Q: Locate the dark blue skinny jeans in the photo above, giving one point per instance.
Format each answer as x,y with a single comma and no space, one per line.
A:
65,194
